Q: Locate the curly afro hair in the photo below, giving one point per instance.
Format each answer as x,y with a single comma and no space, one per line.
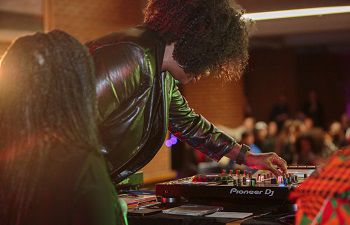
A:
209,35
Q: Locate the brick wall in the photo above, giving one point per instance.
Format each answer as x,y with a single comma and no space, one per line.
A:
89,19
218,101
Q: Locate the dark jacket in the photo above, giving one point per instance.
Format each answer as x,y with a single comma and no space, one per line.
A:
138,103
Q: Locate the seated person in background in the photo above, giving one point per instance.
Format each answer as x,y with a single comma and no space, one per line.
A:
337,135
285,143
324,198
344,121
138,71
51,170
260,135
308,123
272,132
249,139
312,148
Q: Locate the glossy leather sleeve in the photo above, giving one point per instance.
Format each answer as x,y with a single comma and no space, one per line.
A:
193,128
120,83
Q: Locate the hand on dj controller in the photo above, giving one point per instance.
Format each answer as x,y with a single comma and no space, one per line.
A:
267,161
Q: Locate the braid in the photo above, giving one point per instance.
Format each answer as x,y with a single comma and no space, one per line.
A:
47,104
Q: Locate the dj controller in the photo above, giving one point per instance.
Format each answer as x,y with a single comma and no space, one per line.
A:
231,186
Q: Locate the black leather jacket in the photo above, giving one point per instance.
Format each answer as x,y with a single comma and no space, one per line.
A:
138,103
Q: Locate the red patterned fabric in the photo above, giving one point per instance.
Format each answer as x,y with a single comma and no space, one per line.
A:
335,212
330,182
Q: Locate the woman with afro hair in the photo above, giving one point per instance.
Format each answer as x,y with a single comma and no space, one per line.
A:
137,75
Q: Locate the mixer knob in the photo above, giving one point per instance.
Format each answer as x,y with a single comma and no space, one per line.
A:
259,178
239,181
234,182
273,180
285,180
237,172
252,182
280,180
296,179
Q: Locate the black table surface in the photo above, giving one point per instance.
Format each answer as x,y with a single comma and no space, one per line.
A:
166,219
282,214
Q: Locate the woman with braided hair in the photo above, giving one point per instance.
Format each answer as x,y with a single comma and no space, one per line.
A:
137,75
51,170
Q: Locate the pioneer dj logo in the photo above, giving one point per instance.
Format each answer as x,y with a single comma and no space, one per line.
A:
267,192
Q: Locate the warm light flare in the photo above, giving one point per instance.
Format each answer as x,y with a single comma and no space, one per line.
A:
271,15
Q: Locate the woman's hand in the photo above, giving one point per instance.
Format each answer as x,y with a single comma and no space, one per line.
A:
267,161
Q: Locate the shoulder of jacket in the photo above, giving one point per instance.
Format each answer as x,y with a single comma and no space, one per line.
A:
137,37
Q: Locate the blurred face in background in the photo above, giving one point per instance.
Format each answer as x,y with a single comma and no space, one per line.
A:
335,129
248,139
248,123
272,128
261,130
308,123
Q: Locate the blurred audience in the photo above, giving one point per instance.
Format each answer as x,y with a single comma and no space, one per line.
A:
312,147
337,135
285,145
270,141
345,122
308,123
249,139
260,134
300,141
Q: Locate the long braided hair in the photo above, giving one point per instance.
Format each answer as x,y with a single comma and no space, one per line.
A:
209,35
47,100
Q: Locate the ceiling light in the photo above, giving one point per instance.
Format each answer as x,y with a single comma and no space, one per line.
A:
271,15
